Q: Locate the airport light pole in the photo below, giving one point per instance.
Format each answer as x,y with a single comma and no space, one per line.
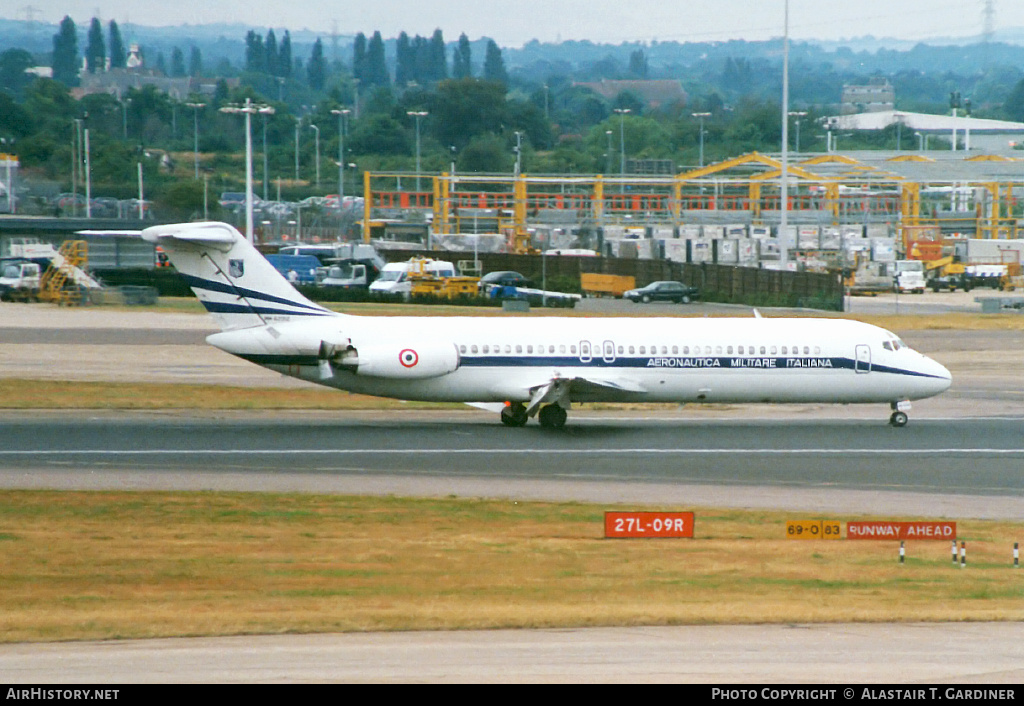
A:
195,144
341,113
124,117
298,126
248,109
797,114
88,178
76,164
316,130
417,114
701,116
622,139
519,152
784,180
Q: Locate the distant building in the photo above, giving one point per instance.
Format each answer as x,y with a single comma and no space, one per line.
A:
876,97
117,82
653,94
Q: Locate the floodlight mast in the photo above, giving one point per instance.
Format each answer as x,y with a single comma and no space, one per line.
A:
248,109
784,186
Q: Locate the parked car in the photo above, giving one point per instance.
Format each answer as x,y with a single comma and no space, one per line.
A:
503,278
663,292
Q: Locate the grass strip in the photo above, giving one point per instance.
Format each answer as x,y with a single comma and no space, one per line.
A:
113,564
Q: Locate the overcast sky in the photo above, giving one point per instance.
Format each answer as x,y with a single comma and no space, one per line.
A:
514,22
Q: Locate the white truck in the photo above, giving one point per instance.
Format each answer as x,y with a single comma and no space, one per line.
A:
19,280
909,276
394,277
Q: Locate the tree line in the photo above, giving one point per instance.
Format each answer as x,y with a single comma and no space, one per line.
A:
474,115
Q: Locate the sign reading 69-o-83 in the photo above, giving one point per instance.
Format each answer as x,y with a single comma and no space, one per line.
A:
654,525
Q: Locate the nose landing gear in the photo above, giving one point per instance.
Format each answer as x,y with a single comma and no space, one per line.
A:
898,419
899,416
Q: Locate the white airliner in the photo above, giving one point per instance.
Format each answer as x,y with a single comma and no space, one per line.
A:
529,366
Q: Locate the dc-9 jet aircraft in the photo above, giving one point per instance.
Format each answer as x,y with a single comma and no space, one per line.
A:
539,366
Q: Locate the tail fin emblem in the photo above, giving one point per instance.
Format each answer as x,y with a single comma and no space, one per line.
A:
236,267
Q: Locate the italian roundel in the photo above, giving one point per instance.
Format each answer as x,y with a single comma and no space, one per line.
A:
408,358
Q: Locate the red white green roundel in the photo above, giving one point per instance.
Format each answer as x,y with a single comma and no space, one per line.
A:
408,358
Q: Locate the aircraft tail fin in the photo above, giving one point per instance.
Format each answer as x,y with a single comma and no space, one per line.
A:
230,277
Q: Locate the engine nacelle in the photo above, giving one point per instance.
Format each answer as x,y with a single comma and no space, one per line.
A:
396,360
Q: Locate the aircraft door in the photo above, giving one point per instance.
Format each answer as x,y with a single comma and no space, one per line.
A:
862,361
608,352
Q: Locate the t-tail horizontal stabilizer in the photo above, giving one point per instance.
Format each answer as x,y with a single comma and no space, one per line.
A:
230,277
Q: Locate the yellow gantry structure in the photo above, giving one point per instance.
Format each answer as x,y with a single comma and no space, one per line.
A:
977,195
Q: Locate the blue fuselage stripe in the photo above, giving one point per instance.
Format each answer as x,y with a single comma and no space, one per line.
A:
645,363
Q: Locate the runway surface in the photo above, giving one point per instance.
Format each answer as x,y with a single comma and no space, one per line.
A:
970,653
961,457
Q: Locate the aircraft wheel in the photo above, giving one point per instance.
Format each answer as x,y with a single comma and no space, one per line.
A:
898,419
552,416
514,415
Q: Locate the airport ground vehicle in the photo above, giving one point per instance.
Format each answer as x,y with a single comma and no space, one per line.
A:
19,280
395,276
347,274
664,291
298,269
506,284
36,271
908,277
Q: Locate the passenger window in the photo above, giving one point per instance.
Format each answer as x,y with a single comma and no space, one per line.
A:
718,350
462,349
763,350
487,349
529,349
772,350
729,350
784,350
620,350
740,350
508,348
561,348
643,350
572,350
817,350
631,351
807,350
473,348
675,350
551,348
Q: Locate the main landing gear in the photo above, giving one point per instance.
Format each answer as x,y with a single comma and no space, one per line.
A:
550,416
899,418
514,415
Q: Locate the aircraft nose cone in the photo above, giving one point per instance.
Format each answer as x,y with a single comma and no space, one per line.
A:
940,378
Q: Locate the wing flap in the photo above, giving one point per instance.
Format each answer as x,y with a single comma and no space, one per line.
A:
562,390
